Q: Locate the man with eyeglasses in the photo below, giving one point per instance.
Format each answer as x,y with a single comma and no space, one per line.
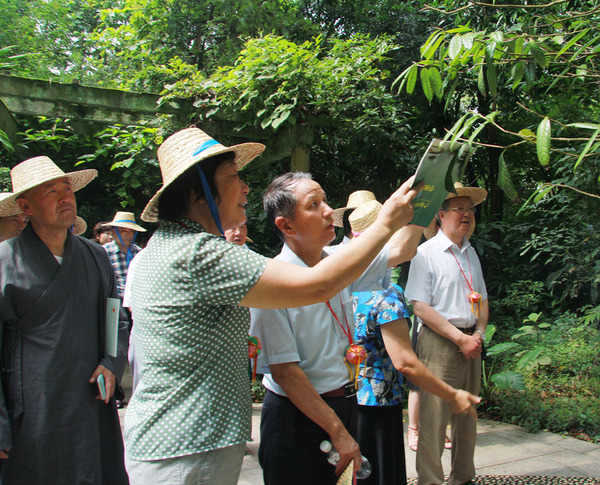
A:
446,288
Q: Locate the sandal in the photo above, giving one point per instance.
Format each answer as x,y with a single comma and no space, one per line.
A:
448,443
413,437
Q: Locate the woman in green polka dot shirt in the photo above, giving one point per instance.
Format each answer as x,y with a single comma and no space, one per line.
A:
189,417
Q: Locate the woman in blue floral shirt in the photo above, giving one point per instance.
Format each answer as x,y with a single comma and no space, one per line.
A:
381,327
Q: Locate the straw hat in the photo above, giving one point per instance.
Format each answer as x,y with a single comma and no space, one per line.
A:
186,148
354,200
364,215
125,219
80,226
477,196
8,206
39,170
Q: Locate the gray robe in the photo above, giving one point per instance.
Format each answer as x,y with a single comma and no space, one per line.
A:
52,327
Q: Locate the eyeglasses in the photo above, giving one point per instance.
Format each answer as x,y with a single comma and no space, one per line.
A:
463,210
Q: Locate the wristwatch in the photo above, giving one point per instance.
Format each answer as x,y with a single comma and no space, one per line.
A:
482,333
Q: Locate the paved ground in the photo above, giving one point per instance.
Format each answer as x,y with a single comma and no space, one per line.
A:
502,449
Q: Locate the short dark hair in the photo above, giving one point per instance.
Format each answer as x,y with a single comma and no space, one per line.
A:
174,202
279,199
100,228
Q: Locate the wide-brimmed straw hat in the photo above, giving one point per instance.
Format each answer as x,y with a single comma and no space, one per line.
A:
477,196
8,206
125,219
354,200
364,215
39,170
186,148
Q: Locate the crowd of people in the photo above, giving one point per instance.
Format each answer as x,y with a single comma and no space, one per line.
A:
333,328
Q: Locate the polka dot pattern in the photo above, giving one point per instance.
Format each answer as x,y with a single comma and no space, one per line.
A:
190,339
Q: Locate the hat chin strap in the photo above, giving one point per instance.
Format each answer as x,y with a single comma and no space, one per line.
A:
129,249
210,199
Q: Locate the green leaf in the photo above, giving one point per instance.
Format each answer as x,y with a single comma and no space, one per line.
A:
509,380
503,347
412,79
492,77
585,126
436,81
586,149
504,179
481,82
455,46
569,44
538,54
544,138
526,133
426,85
517,73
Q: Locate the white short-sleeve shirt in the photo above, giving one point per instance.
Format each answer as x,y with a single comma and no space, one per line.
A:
435,278
310,335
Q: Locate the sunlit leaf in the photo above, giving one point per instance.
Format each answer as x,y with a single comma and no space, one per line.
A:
455,46
544,138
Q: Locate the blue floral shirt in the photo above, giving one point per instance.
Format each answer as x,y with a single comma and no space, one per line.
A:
381,382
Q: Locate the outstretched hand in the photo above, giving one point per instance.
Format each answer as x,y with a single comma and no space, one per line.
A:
464,403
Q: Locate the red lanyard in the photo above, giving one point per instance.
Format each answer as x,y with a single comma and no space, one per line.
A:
346,330
470,284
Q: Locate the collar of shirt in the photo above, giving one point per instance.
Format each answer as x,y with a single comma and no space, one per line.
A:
444,242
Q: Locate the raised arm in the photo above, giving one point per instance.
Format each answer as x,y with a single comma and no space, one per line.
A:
285,285
403,245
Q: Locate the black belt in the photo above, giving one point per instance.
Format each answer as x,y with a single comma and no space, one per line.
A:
467,330
347,390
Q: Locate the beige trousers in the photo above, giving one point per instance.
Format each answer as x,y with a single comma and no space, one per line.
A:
443,358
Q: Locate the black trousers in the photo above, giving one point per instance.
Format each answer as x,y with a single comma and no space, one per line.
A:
289,452
381,441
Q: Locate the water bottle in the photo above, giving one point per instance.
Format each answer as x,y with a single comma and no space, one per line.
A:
333,457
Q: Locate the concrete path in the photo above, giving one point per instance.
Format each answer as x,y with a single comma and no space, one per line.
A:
502,449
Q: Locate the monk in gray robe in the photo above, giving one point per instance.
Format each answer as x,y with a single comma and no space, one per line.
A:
55,428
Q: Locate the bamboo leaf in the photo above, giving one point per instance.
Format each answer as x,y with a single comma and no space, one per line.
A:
544,137
586,149
585,126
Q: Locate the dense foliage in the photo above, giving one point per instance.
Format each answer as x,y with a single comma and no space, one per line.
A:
363,86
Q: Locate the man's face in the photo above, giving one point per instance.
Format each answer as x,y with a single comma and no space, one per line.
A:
126,235
312,220
231,201
237,235
459,218
12,226
51,205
